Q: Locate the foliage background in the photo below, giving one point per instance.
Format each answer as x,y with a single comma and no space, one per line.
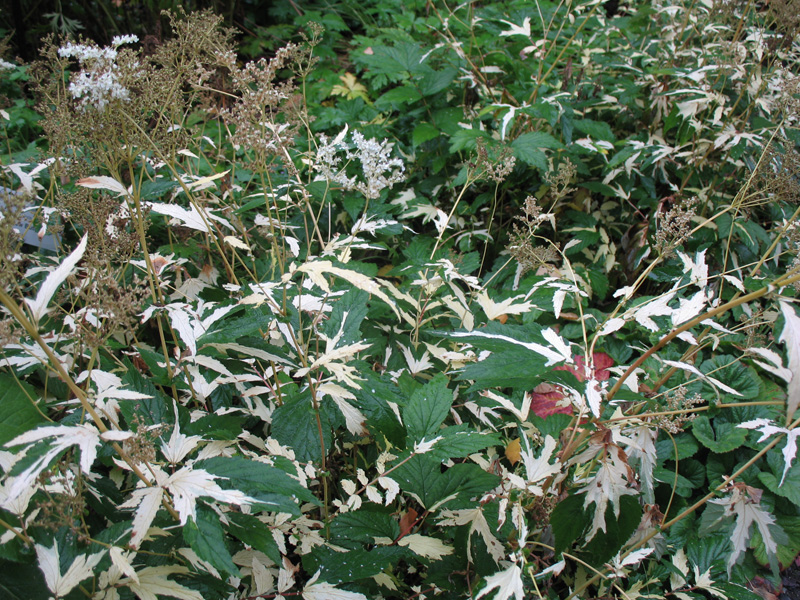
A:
431,301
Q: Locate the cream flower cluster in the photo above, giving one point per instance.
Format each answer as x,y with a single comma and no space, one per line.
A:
98,82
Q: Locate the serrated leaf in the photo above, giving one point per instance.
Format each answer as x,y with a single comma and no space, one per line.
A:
19,413
599,130
424,132
361,528
433,82
458,441
341,567
569,520
790,335
206,537
38,306
721,437
269,485
254,533
427,409
373,399
294,424
529,148
605,545
422,476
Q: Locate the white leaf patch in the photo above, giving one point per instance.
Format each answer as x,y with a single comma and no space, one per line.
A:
474,516
52,282
153,583
552,356
101,182
746,507
191,217
86,437
767,429
791,337
316,270
425,546
61,585
506,307
508,583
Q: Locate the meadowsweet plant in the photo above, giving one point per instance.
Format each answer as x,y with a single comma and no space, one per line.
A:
463,302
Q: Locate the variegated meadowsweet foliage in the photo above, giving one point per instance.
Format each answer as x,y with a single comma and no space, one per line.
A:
483,301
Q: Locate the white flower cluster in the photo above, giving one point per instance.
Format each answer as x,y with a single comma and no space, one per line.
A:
97,84
6,66
379,170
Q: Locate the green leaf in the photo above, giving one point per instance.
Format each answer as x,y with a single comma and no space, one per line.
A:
359,563
686,444
351,308
569,520
730,371
373,399
464,139
398,96
424,132
427,409
722,437
422,476
528,148
791,484
516,369
155,410
267,484
22,582
151,190
710,552
434,82
604,545
254,533
458,441
205,536
18,412
788,542
598,130
361,527
294,424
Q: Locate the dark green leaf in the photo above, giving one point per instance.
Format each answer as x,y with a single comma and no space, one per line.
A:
734,374
569,520
339,567
722,437
294,424
604,545
434,82
255,534
397,97
205,536
373,399
427,409
424,132
361,527
269,485
597,130
155,410
458,441
22,582
422,476
18,412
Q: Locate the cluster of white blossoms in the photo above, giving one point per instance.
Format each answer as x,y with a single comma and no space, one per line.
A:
98,81
6,66
379,170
